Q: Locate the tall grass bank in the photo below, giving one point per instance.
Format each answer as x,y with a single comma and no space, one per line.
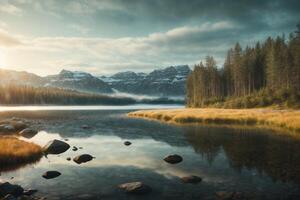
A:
287,119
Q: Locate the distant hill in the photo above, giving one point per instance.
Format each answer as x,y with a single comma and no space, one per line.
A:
167,82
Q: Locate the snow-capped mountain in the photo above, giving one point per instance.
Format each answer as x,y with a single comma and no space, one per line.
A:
80,81
169,81
165,82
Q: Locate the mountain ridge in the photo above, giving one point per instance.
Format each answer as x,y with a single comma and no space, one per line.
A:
169,81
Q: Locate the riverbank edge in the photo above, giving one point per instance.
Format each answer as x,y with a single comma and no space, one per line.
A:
16,152
268,118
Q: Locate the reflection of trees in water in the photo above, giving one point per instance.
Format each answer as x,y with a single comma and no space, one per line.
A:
19,165
273,155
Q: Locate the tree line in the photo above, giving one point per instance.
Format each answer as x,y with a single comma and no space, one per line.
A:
260,75
27,95
11,94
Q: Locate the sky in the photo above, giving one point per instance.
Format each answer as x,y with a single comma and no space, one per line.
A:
107,36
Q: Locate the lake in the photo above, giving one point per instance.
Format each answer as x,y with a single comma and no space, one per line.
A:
255,162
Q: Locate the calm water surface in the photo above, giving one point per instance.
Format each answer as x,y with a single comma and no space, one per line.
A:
255,162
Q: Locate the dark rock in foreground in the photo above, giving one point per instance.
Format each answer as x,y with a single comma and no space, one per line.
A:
28,133
173,159
191,179
56,147
135,188
51,174
83,158
127,143
10,189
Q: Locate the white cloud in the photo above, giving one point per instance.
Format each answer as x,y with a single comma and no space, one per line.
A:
182,45
8,40
10,9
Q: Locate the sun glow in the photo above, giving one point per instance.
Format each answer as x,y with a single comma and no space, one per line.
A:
2,59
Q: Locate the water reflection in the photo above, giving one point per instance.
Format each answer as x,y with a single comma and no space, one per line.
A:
18,166
260,164
273,155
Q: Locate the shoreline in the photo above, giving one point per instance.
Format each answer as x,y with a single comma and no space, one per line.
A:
16,153
270,118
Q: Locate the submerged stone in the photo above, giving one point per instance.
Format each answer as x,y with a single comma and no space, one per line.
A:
135,188
191,179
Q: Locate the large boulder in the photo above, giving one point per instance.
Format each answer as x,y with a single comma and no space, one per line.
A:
135,188
56,147
51,174
10,189
173,159
28,133
83,158
191,179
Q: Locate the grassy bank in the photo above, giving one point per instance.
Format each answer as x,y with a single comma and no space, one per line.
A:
15,152
287,119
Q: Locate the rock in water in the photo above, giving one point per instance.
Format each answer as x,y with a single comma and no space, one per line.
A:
7,128
127,143
56,147
51,174
28,133
135,188
83,158
7,188
29,192
19,125
85,127
74,148
227,195
173,159
191,179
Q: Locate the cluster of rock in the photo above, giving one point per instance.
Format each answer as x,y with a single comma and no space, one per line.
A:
142,188
57,147
16,126
16,192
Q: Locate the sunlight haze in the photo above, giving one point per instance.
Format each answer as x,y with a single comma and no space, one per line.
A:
104,37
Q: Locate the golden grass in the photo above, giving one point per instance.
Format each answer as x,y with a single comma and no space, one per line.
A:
287,119
15,152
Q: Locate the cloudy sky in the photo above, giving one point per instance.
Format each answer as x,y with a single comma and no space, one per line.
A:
107,36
